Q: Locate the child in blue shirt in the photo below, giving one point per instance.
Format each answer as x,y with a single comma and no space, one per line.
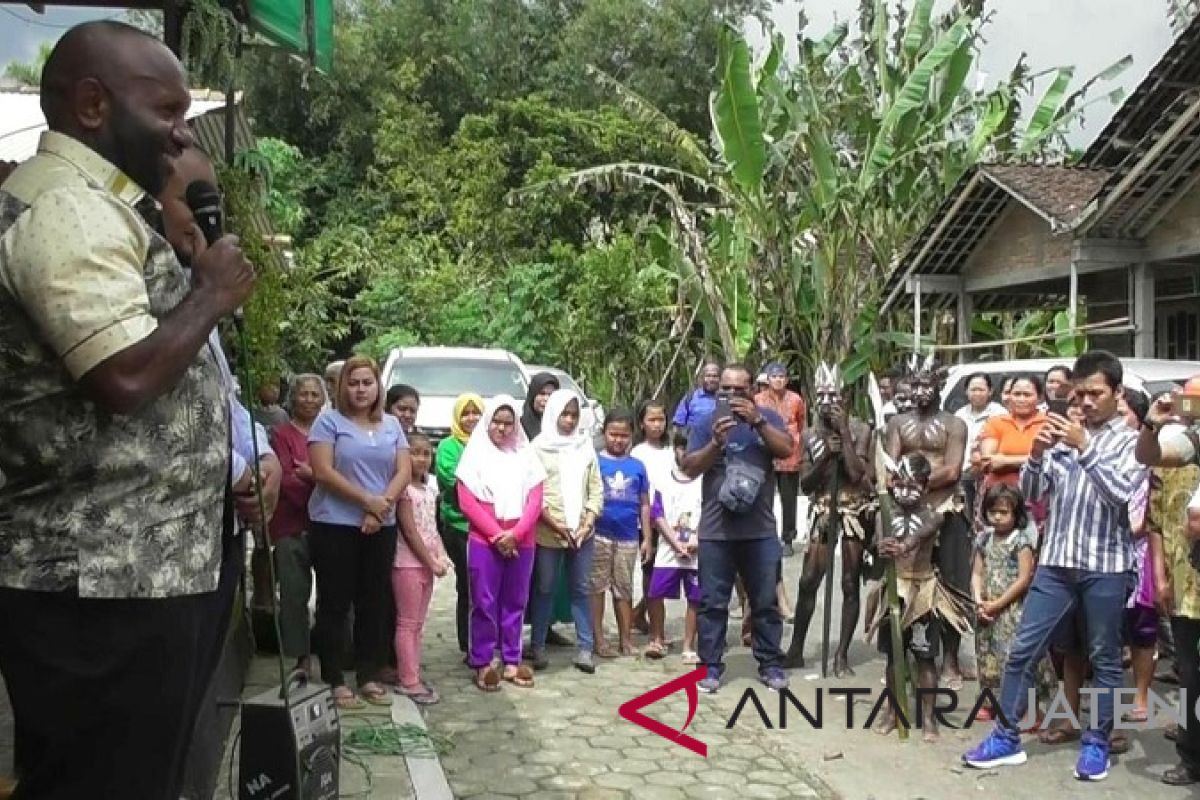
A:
622,531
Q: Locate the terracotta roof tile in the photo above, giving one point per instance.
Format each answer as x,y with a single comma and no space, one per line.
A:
1058,192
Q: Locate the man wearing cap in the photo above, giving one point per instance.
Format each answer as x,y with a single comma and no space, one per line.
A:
790,406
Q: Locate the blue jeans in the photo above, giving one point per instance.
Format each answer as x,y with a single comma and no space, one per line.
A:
1053,597
756,560
546,566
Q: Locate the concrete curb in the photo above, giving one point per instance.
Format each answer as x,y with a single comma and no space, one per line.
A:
427,776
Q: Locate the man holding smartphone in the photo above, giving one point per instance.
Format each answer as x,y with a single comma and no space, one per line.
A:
733,449
1088,473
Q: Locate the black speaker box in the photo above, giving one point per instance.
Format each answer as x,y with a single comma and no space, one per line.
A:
290,751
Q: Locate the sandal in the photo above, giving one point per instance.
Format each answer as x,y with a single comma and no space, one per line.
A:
488,680
1137,715
1058,736
375,694
1118,745
655,651
689,657
521,677
605,651
346,700
422,695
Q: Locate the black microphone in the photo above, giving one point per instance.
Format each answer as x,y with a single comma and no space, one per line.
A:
205,202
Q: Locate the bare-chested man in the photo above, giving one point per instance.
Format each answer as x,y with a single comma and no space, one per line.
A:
928,606
836,444
942,438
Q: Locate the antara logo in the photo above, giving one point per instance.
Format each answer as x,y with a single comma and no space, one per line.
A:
632,710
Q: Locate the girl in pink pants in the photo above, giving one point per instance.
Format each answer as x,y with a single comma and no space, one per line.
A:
420,558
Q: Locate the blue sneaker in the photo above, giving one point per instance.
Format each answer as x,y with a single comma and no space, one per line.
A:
774,679
711,682
996,750
1093,760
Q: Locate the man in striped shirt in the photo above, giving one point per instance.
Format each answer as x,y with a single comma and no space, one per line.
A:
1088,474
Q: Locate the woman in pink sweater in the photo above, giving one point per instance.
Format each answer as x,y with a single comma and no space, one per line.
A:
500,492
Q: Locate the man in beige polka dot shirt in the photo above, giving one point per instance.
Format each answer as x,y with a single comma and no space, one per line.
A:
115,430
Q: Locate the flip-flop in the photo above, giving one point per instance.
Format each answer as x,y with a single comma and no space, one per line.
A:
655,651
689,657
423,696
348,702
1055,736
1137,715
522,677
375,694
605,652
488,681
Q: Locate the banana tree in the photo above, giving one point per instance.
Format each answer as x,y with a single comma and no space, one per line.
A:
820,171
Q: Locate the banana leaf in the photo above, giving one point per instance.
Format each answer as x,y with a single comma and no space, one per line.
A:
735,114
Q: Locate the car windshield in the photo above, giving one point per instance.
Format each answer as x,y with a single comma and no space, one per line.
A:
450,377
956,396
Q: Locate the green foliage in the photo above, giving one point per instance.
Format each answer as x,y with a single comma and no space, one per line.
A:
29,73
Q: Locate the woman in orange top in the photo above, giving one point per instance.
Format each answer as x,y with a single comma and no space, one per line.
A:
1006,440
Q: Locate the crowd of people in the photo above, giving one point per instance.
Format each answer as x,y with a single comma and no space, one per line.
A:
1055,524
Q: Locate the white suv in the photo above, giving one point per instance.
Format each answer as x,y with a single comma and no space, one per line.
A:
441,374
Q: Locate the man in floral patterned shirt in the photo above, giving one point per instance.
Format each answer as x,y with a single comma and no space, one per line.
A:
115,427
1174,451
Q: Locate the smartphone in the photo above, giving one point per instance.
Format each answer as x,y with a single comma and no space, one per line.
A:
723,410
1060,407
1186,406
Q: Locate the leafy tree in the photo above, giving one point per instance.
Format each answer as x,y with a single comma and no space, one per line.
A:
29,73
823,169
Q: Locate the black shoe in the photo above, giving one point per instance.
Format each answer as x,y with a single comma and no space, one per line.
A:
788,552
556,639
1181,775
539,660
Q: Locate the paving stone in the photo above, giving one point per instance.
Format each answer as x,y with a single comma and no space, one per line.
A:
666,778
773,777
634,766
572,782
510,786
759,790
651,792
718,777
549,757
600,793
617,780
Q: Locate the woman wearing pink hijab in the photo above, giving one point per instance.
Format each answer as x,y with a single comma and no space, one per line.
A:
500,492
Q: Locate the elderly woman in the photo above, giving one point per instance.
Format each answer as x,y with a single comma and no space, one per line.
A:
289,525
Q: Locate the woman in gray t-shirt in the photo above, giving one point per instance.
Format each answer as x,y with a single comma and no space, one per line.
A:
360,464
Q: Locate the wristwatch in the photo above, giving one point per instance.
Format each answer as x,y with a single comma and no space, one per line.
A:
758,423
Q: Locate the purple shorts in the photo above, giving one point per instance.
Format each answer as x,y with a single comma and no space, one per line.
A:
666,582
1141,626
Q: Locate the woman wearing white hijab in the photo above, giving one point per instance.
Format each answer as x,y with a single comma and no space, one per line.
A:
500,493
571,500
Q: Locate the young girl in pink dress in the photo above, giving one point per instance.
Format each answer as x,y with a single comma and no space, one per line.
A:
420,558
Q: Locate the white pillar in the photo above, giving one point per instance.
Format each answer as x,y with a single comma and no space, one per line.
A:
1073,301
916,315
1141,304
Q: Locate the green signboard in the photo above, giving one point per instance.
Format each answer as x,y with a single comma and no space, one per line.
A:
305,27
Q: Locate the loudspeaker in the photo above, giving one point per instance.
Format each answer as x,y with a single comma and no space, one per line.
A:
290,751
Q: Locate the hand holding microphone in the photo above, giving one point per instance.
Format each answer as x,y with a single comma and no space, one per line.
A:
221,269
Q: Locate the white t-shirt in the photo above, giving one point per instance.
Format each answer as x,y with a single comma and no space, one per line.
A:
681,504
975,422
659,463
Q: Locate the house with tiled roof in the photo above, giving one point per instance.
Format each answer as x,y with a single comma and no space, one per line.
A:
1114,239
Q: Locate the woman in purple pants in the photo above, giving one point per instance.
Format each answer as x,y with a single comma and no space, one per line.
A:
500,493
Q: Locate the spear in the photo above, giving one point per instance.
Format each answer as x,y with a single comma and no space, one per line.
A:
899,657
